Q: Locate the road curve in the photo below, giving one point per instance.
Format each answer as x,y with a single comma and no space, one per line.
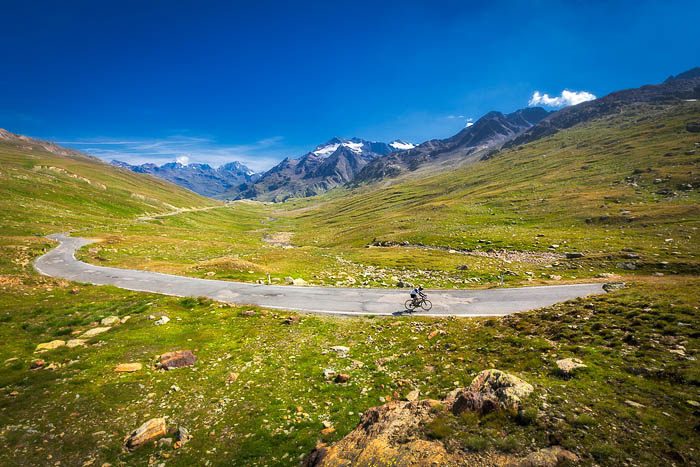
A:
61,263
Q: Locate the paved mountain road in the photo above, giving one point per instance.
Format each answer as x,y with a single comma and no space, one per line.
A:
60,262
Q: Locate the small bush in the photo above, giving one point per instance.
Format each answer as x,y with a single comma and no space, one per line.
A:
526,416
476,443
438,428
507,444
187,302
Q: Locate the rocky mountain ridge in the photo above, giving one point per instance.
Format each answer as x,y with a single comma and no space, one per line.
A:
200,178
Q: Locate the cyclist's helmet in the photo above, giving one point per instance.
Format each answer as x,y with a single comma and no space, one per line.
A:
420,287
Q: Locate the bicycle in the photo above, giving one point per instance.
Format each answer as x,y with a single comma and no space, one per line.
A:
422,303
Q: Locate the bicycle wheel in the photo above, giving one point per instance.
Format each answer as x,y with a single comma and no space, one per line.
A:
409,305
426,305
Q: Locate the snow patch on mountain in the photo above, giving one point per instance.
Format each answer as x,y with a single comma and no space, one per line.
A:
401,145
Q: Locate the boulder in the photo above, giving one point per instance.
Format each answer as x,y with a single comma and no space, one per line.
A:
178,359
574,255
36,364
549,457
182,436
462,267
568,365
610,286
94,332
627,266
289,280
386,432
490,390
342,378
163,320
109,320
291,320
75,343
149,431
50,345
128,367
299,282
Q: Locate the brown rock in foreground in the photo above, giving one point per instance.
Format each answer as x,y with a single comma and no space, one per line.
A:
393,434
149,431
490,390
178,359
128,367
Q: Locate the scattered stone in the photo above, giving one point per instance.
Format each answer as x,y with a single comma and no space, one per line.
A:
50,345
554,247
231,378
605,275
94,332
549,457
14,393
610,286
636,405
109,320
328,373
165,442
342,378
462,267
658,274
341,350
36,364
128,367
574,255
149,431
327,431
413,395
125,319
289,280
74,291
178,359
75,343
10,360
693,403
693,127
326,424
568,365
247,313
291,320
679,352
163,320
490,390
182,436
299,282
627,266
555,277
357,364
631,256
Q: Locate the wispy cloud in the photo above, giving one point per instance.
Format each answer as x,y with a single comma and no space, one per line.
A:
259,155
455,116
565,99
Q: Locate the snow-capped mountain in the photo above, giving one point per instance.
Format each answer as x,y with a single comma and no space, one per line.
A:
330,164
200,178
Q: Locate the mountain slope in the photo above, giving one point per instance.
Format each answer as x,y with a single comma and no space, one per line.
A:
200,178
48,188
329,165
470,144
683,87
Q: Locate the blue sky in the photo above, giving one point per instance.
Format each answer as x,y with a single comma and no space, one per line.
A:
258,81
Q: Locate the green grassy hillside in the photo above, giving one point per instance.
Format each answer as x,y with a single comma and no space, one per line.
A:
45,189
621,191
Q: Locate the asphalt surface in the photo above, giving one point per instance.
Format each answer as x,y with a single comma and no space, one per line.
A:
61,263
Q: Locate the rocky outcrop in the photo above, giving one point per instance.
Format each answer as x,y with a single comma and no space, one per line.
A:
490,390
393,433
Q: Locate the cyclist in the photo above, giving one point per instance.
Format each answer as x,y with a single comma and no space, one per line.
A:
417,292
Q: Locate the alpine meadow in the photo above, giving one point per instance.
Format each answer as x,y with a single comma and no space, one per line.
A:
520,289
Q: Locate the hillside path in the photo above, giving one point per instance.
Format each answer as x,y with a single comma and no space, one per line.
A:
61,263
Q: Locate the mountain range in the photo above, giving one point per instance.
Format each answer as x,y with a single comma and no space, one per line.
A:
357,161
200,178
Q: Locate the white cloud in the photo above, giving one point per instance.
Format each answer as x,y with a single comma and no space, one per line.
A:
565,99
455,116
184,160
